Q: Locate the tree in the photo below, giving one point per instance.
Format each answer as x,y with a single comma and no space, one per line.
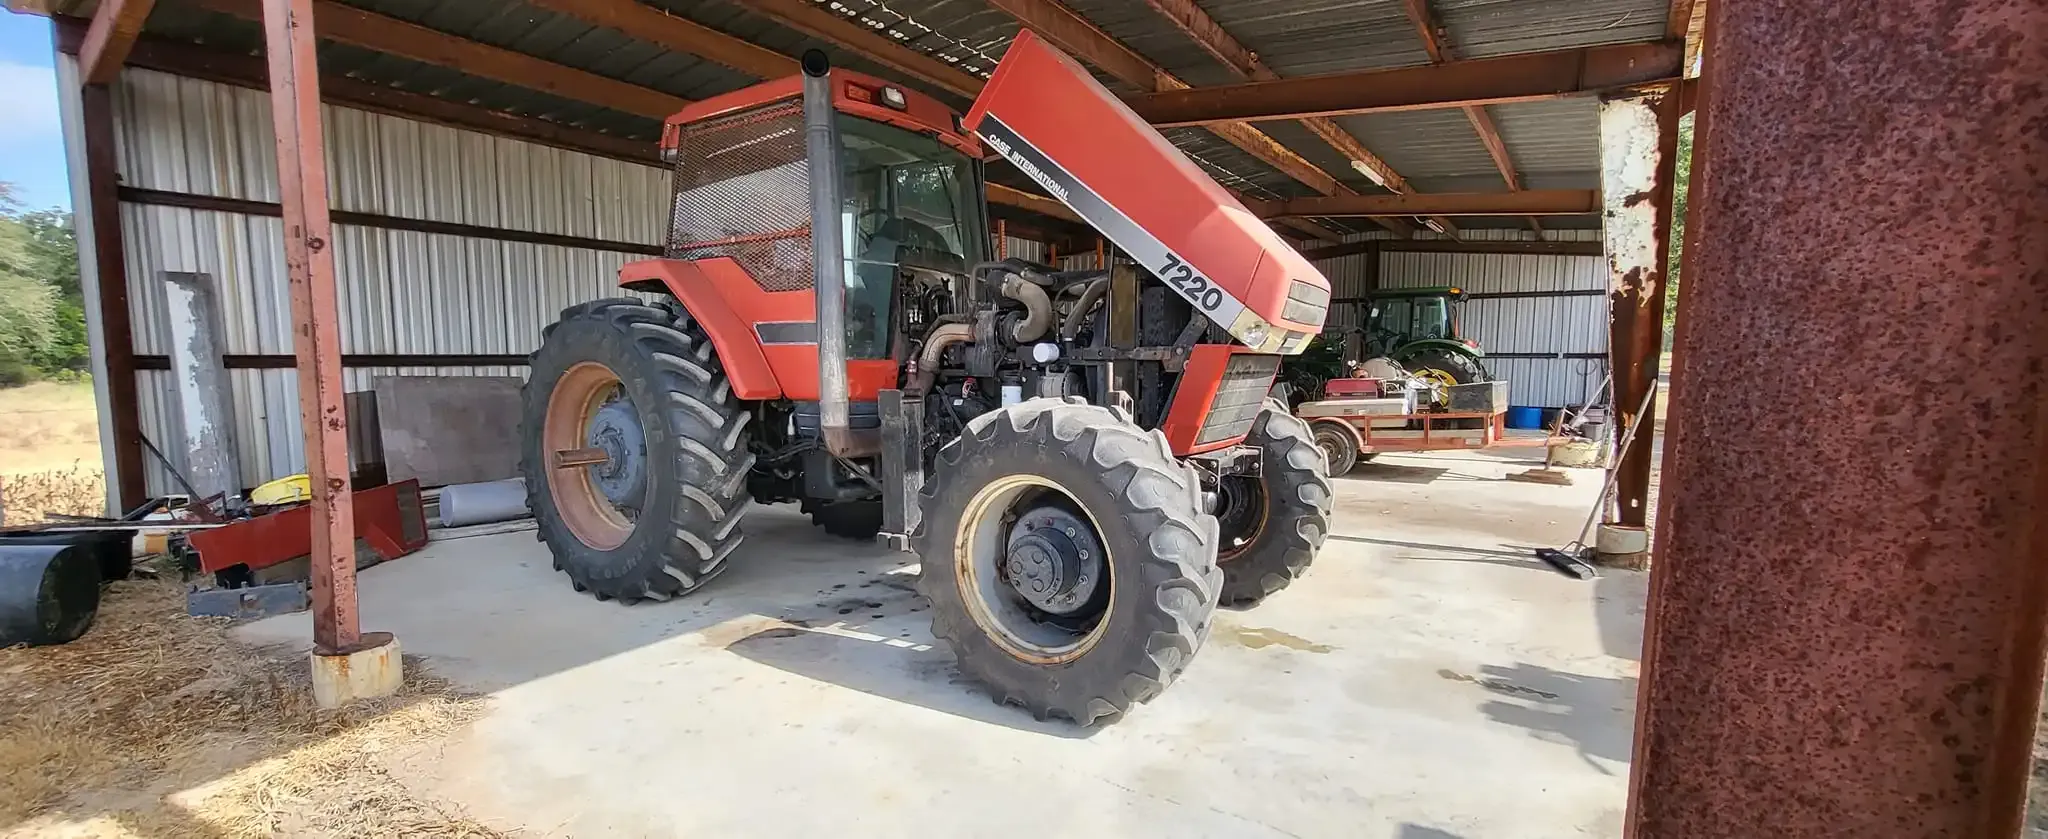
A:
54,253
1681,185
42,315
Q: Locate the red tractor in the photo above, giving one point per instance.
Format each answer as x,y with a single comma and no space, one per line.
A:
1085,461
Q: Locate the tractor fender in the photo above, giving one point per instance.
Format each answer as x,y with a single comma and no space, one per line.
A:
1412,348
700,286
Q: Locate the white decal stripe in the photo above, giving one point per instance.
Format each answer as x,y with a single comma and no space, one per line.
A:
1180,275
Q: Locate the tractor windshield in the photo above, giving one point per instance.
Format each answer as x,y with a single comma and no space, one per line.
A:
911,200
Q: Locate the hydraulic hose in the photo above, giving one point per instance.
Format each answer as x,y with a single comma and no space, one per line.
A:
1078,315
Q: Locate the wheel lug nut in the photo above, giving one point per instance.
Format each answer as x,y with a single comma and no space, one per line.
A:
1070,531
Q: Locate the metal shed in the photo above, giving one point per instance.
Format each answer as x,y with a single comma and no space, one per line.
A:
427,181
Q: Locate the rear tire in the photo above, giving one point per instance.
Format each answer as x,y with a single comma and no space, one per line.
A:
1143,503
695,439
1272,544
1460,368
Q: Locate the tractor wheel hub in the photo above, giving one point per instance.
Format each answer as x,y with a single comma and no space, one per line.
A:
621,478
1054,560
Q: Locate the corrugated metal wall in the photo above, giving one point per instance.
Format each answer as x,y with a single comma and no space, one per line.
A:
1553,326
402,293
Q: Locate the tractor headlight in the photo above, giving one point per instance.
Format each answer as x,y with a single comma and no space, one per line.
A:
894,98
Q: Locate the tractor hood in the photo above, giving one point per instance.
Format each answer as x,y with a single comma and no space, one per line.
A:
1045,113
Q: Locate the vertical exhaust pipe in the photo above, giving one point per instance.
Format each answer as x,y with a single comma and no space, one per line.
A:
828,252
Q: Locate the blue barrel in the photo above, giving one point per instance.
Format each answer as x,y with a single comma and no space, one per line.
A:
1524,416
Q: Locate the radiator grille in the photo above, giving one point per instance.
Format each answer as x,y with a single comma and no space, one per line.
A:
1246,379
742,190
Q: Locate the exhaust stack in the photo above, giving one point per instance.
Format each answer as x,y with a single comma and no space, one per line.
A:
828,257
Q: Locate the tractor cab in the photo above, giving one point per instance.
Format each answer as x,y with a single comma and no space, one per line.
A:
1397,319
1418,329
910,193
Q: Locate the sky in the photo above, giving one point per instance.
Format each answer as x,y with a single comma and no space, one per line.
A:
31,142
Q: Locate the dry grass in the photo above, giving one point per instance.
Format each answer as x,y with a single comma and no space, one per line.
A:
49,452
158,724
27,497
48,426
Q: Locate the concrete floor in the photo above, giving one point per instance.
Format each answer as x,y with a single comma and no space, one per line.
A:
1426,680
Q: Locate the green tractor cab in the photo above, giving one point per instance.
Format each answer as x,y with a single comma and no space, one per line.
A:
1418,328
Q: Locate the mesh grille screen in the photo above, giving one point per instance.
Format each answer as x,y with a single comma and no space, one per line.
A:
1246,378
742,190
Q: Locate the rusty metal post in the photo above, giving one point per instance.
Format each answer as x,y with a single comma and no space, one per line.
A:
115,339
1638,152
316,338
1847,617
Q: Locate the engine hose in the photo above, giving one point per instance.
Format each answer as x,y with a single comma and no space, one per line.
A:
1036,304
1078,315
935,344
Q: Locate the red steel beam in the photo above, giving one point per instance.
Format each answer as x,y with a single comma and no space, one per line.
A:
247,71
114,27
1678,18
1549,202
316,337
349,25
820,22
1454,84
677,33
110,266
1195,23
1083,40
1846,620
1436,43
1636,221
195,61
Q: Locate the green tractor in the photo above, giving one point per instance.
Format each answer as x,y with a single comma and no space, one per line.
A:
1418,329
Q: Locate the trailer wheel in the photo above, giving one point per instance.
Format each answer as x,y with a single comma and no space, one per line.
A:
1340,449
1067,559
1273,523
641,386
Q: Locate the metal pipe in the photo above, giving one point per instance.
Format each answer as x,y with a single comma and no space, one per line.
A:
828,252
935,346
1036,303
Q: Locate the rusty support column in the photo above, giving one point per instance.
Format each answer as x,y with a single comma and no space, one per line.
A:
116,338
316,336
1638,153
1846,625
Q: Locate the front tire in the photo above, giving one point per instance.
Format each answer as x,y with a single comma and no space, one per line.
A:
1273,523
660,515
1104,648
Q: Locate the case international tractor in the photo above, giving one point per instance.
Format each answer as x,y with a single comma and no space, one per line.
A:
1085,461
